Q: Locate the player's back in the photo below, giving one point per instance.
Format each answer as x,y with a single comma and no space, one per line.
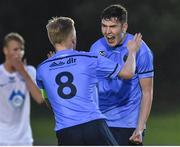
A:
69,79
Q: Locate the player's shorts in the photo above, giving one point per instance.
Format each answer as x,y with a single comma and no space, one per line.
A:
122,135
95,133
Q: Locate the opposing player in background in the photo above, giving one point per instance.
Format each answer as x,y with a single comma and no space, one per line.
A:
17,80
69,78
125,103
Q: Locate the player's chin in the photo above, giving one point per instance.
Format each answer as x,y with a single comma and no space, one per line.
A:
111,43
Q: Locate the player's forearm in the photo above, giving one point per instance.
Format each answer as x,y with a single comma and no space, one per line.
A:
145,109
128,70
33,89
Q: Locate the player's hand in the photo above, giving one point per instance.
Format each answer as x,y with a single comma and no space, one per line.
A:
50,54
136,137
18,64
134,44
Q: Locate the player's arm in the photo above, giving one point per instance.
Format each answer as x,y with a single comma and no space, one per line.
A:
33,89
145,72
146,102
129,67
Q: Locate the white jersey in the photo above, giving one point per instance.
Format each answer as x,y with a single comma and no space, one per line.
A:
15,108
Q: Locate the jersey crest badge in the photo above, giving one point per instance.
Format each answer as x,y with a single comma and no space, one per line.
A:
102,53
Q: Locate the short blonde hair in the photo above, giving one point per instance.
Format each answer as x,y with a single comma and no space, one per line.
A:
59,28
13,36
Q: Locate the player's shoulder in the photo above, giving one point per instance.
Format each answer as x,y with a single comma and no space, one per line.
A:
128,37
1,69
30,68
144,48
99,44
1,66
100,41
86,54
44,61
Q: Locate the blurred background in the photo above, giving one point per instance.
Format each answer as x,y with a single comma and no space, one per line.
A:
157,20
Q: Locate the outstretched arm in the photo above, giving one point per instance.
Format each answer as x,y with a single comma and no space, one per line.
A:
129,68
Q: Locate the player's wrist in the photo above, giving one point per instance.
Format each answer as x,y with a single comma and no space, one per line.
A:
132,52
140,130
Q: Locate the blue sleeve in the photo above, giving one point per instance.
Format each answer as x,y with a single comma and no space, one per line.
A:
98,48
145,65
40,85
94,49
38,80
107,68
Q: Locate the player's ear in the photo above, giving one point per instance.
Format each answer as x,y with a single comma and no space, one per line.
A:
125,27
5,51
74,42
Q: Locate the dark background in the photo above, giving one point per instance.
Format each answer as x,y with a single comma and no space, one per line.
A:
157,20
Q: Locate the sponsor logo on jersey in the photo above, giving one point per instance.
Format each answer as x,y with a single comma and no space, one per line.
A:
61,63
57,64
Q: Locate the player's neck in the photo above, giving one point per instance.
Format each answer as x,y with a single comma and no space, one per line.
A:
60,47
122,39
8,66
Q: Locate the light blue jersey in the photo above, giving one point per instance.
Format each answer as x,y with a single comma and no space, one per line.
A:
69,79
119,99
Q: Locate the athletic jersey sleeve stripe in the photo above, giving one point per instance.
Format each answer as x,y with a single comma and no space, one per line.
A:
113,71
146,72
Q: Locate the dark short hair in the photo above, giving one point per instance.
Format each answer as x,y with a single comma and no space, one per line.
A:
117,11
13,36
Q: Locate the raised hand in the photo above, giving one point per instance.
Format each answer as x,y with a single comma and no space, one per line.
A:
18,64
134,44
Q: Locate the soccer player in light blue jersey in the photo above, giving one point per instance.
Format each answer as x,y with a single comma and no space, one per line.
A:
125,103
69,78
